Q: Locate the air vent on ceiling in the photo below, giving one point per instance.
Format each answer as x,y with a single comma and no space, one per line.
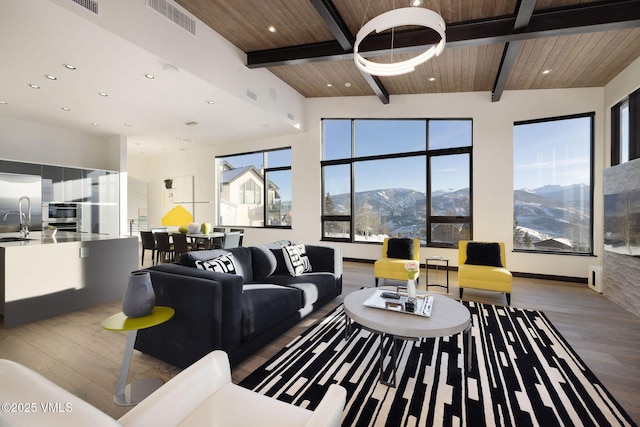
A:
171,12
252,95
91,5
291,117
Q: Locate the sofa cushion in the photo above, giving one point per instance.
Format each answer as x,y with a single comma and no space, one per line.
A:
244,262
189,258
267,258
400,248
325,283
296,260
241,258
483,254
281,265
264,305
222,264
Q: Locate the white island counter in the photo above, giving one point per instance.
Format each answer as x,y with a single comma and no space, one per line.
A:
43,277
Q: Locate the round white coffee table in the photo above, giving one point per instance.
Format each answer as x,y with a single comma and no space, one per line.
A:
448,317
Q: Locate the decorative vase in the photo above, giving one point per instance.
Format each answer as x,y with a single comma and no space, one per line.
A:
194,227
139,299
411,289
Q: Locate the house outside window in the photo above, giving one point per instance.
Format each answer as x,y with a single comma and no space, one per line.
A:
396,178
553,185
255,189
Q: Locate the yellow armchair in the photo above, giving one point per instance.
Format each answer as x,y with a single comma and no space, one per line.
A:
392,267
483,265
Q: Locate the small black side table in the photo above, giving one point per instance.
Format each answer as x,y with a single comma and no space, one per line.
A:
438,262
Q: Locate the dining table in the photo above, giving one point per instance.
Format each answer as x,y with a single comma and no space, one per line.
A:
208,238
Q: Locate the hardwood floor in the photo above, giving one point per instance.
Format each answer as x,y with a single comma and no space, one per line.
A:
75,352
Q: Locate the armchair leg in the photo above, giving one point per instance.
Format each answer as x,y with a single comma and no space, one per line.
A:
508,298
460,293
376,282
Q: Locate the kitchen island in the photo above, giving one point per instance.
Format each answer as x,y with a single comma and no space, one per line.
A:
47,276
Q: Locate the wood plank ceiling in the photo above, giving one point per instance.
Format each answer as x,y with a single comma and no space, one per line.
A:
583,43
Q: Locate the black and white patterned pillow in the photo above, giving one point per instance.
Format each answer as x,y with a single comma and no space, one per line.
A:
296,260
221,264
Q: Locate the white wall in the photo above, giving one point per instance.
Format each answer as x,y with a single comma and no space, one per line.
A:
38,143
492,165
196,162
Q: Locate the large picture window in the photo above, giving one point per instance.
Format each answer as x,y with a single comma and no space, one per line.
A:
553,185
397,178
255,189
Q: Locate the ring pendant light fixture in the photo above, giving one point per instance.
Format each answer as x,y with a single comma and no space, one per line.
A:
398,18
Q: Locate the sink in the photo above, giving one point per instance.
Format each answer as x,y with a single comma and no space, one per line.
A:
14,239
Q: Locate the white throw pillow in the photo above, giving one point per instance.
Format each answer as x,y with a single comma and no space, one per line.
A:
296,260
221,264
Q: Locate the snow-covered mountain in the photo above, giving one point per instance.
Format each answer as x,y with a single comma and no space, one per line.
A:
541,214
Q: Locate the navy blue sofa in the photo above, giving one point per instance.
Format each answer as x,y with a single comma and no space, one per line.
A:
238,313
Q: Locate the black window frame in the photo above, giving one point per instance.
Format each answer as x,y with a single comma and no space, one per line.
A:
592,116
443,219
634,128
265,191
428,155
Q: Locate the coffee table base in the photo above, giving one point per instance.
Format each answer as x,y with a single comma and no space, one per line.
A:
394,350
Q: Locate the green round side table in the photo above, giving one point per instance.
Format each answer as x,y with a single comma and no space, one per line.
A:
132,394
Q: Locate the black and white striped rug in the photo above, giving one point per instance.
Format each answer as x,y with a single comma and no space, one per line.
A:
523,373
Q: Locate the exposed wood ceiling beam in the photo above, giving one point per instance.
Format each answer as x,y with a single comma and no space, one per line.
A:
334,21
377,86
345,39
523,17
602,16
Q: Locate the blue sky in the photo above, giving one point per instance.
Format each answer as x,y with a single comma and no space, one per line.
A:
552,153
545,153
379,137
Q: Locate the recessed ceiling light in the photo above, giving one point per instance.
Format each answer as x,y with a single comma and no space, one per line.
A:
3,102
416,3
32,86
272,29
69,66
128,125
102,93
150,76
547,71
210,102
65,108
347,84
95,124
50,77
432,79
329,85
255,122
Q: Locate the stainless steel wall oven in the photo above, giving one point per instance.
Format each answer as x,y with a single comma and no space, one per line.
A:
64,216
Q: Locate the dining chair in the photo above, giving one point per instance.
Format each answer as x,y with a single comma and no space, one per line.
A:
166,252
241,231
218,242
180,244
148,244
231,240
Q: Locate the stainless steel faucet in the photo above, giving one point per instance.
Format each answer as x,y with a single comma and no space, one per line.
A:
25,220
24,224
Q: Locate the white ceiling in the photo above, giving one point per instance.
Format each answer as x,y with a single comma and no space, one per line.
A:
38,37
